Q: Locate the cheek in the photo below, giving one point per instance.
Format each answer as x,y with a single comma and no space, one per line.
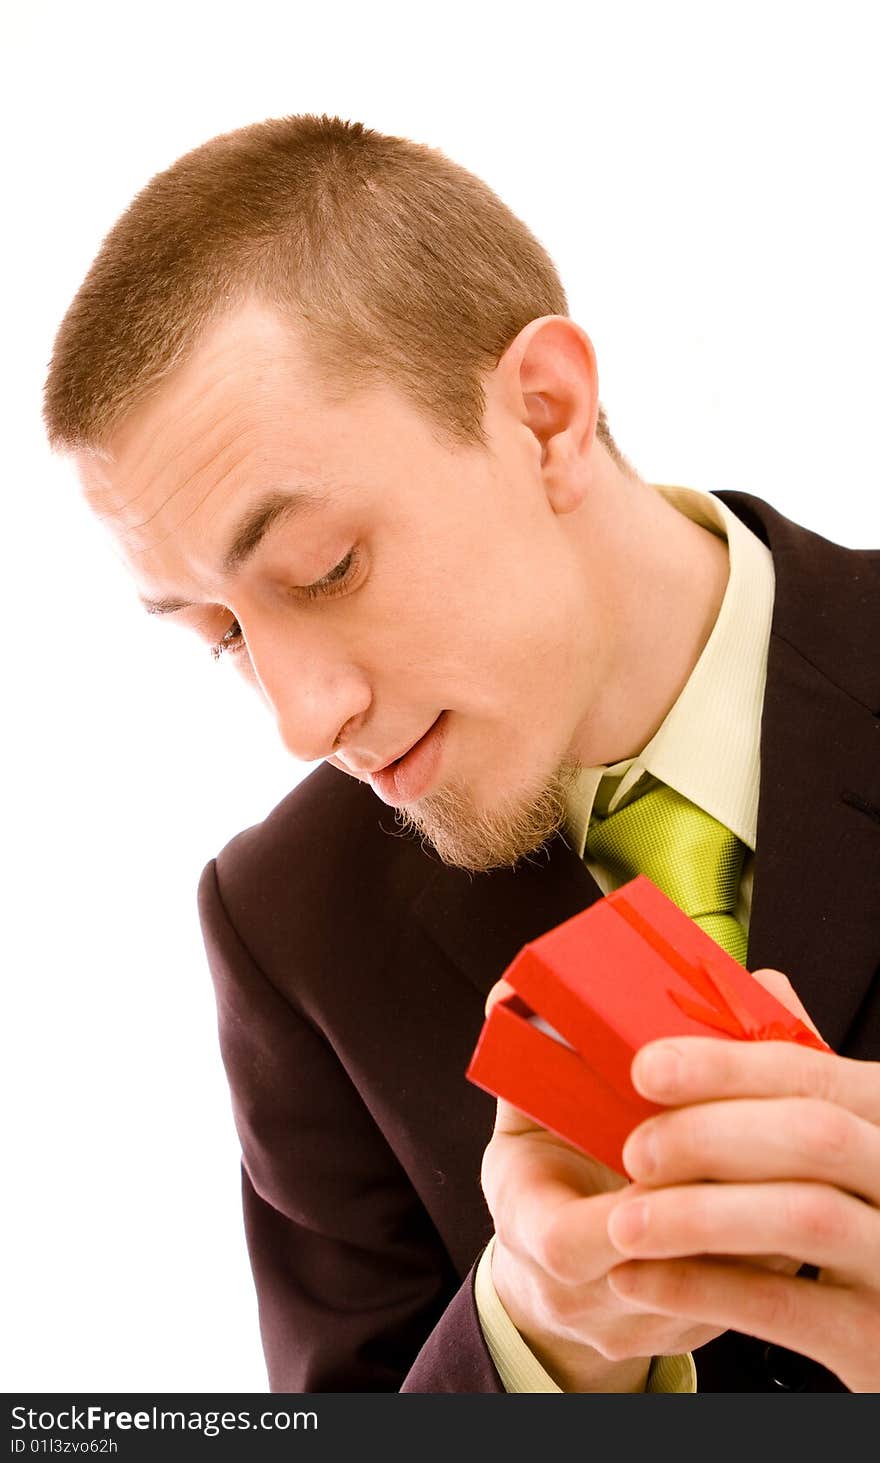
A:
512,652
475,621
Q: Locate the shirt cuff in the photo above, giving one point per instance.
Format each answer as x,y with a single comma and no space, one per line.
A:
520,1370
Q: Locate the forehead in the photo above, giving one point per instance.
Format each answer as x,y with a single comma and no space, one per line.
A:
244,391
243,417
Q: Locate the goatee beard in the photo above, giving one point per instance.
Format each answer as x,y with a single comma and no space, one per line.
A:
467,837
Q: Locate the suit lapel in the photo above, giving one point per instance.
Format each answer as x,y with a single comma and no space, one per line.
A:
816,889
482,921
817,864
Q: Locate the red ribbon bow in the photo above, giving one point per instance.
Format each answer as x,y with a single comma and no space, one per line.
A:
726,1011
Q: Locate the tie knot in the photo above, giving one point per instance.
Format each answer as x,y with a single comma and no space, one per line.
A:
687,853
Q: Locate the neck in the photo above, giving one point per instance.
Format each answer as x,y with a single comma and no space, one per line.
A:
666,577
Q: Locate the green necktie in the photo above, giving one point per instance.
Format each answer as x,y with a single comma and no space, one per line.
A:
687,853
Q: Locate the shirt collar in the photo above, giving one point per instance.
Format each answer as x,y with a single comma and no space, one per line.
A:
708,746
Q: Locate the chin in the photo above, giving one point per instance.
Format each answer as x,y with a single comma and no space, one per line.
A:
468,835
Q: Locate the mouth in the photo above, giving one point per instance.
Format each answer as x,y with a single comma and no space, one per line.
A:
409,777
395,761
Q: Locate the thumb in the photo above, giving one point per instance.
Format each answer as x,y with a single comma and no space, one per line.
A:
781,987
509,1120
500,989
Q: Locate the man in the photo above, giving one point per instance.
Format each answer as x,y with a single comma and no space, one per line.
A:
322,388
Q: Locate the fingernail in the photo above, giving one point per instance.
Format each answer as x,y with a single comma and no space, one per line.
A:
640,1152
628,1222
656,1070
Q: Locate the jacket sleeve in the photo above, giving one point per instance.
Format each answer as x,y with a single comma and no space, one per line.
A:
356,1290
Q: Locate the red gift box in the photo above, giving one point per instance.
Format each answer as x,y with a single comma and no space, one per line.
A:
630,969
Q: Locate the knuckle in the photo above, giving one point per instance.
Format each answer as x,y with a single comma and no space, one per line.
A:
503,1231
679,1138
489,1177
822,1133
553,1251
817,1217
567,1306
631,1336
819,1073
618,1346
504,1222
720,1064
499,1192
780,1306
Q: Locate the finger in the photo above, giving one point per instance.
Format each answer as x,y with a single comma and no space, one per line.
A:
540,1198
511,1122
703,1068
811,1223
754,1141
500,989
835,1326
588,1174
781,987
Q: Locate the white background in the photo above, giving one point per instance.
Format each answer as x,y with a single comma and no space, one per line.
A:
705,176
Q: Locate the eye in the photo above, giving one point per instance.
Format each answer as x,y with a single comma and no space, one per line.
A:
231,641
339,576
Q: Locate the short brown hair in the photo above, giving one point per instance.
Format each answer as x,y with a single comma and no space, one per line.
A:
396,262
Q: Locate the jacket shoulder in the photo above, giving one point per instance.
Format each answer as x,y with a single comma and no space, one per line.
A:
827,601
327,868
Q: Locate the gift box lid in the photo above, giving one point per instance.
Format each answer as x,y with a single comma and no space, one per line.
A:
633,968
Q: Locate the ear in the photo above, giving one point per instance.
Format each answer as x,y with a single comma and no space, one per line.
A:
549,380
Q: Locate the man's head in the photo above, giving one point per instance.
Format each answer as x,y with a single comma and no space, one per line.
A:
396,263
320,385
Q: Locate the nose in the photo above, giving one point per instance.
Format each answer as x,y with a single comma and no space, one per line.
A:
312,685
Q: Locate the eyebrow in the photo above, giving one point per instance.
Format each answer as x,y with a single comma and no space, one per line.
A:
267,513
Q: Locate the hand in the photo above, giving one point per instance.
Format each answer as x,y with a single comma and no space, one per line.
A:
766,1143
551,1206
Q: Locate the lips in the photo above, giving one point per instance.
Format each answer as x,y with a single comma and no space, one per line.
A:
392,761
409,776
398,758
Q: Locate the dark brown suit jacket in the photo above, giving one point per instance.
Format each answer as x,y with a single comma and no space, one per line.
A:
351,969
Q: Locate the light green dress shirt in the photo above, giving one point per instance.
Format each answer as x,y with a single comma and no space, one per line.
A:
708,749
